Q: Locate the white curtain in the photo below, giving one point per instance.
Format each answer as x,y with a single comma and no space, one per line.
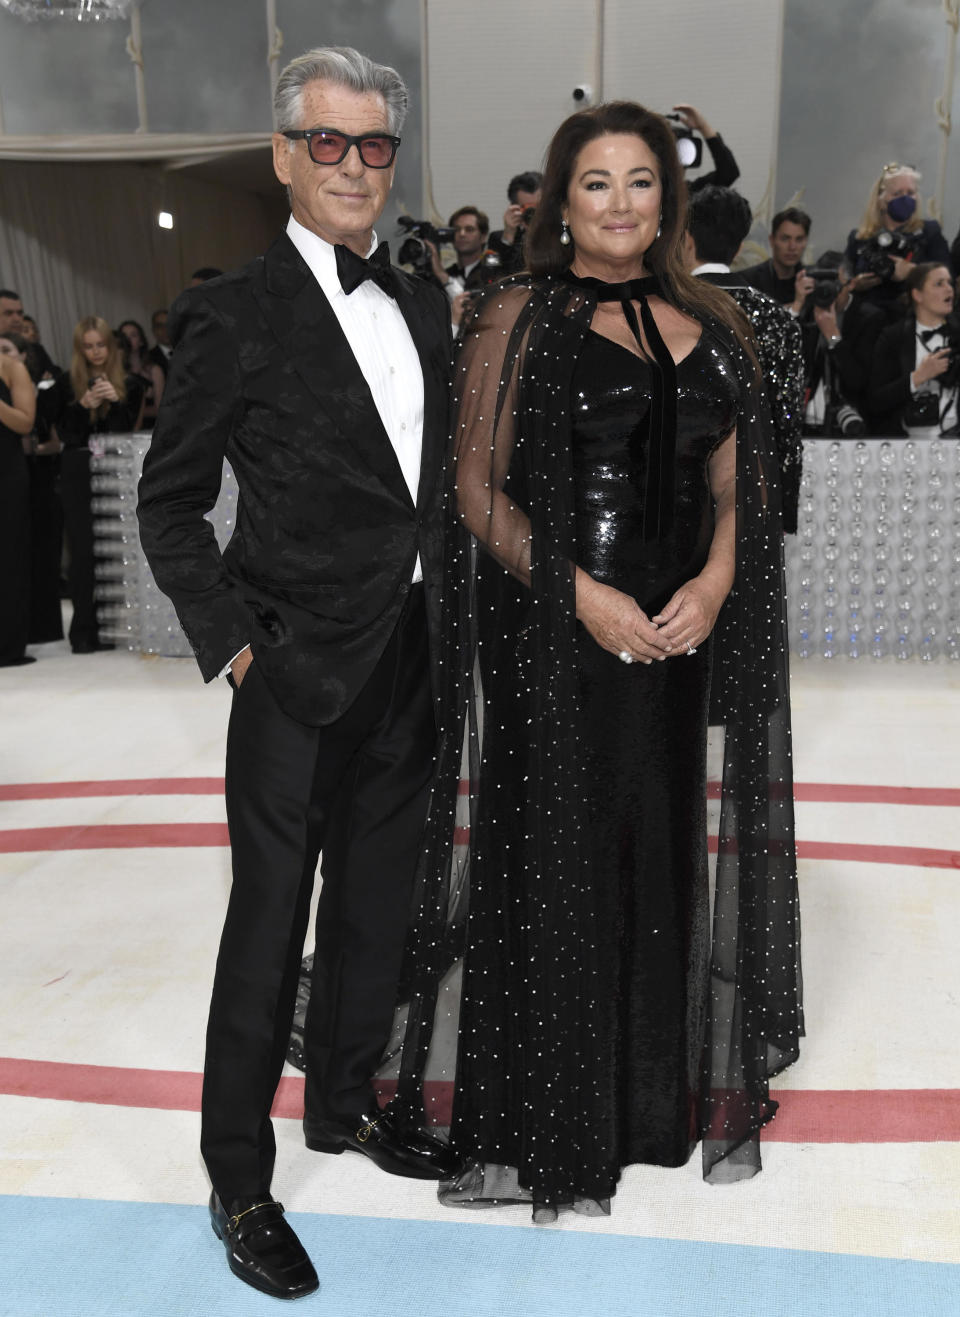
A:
82,239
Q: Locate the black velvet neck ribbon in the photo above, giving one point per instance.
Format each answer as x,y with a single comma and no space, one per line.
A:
661,482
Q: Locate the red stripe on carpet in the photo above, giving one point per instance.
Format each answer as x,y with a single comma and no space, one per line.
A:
112,836
120,836
926,1115
841,792
134,786
849,793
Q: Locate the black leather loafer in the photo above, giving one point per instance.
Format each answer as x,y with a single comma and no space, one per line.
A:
262,1248
395,1150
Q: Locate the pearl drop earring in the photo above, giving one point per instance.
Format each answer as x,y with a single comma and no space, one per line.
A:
565,233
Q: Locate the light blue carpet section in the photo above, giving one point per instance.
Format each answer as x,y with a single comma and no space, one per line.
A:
87,1258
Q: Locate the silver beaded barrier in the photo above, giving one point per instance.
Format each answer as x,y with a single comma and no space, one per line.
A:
132,612
874,569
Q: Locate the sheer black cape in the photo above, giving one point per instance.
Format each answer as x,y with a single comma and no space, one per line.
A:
512,440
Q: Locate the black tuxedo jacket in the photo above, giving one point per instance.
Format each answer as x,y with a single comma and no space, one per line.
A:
894,361
319,565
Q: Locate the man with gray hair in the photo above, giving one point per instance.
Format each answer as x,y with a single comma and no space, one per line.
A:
320,372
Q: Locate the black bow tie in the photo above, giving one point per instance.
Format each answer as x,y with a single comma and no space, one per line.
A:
927,334
353,270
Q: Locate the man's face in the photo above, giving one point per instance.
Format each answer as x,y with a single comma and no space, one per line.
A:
468,241
11,315
160,329
340,203
788,244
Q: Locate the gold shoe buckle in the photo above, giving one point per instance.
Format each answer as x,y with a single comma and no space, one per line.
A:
234,1221
364,1132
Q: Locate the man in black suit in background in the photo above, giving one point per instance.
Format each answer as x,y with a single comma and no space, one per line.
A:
322,378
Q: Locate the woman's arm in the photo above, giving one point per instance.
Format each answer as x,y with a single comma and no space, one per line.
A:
691,614
18,414
159,379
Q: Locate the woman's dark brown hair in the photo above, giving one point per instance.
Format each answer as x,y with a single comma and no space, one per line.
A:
546,255
917,277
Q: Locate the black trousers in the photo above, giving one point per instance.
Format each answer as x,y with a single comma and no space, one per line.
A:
357,790
78,528
14,548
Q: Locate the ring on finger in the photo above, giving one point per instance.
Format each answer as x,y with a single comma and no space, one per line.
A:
690,648
625,656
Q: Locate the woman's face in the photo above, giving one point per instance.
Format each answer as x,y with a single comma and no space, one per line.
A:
94,349
934,301
900,185
133,337
614,201
8,349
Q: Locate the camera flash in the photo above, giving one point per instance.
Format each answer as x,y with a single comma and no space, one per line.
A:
165,219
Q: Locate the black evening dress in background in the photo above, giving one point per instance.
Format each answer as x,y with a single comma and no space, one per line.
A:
560,968
14,542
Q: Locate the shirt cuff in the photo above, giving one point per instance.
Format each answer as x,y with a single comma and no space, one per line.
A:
227,666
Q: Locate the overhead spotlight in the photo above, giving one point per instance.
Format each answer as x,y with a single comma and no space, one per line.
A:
165,219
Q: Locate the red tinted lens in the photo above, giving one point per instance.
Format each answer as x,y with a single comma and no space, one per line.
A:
327,148
376,151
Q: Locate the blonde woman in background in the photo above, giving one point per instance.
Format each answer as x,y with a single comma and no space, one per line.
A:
102,400
892,237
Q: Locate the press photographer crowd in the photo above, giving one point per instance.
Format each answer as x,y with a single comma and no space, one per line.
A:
862,341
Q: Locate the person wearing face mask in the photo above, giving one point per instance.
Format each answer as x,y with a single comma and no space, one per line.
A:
913,384
892,236
102,400
613,473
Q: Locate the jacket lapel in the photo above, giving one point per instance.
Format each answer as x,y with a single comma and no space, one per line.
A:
316,347
434,353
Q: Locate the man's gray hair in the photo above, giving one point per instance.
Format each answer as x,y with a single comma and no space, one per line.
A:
344,67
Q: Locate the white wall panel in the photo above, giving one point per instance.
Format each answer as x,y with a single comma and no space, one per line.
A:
501,74
501,77
723,56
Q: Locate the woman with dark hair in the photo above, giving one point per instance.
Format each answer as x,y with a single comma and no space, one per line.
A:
18,400
913,381
136,361
42,449
613,475
102,400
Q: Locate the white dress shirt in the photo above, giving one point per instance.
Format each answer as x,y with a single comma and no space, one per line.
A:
380,341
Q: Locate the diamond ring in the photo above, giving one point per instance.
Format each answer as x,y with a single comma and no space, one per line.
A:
625,656
690,648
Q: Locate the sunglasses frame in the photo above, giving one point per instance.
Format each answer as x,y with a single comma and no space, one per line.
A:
307,134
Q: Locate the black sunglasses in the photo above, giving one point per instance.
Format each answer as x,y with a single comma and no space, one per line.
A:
377,150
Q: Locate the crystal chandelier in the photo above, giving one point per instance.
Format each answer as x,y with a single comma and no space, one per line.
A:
83,11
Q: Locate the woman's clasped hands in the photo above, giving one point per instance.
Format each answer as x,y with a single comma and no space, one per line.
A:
618,623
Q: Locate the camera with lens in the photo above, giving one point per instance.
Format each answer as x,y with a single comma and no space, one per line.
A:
881,251
413,250
689,145
844,421
826,287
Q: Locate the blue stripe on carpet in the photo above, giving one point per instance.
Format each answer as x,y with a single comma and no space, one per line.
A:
88,1258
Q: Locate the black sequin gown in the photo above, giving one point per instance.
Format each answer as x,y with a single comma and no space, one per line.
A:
561,984
641,735
643,739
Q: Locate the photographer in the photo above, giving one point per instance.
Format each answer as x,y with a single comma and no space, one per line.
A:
506,244
718,220
725,170
891,239
913,385
782,277
835,368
